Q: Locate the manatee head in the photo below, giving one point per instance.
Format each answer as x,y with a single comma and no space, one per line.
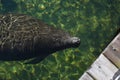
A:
67,42
72,42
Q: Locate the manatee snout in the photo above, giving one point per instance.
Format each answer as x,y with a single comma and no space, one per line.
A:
75,41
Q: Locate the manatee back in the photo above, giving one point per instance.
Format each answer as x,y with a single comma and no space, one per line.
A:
22,36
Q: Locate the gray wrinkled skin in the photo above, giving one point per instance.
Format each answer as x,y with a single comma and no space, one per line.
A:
24,37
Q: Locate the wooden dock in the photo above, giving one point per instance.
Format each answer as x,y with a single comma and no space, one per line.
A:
107,64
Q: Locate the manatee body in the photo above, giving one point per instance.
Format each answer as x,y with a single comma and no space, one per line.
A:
24,37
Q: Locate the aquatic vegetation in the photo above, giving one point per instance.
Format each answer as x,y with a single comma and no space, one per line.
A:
95,22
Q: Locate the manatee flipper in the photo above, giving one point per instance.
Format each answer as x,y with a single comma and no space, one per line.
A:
34,60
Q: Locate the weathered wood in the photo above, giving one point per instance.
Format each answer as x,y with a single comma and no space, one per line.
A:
105,67
86,76
102,69
112,52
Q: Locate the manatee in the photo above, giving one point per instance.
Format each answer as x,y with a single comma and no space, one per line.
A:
24,37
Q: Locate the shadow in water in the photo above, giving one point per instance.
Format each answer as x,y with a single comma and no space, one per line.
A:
8,6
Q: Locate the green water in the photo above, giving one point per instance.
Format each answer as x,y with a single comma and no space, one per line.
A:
94,21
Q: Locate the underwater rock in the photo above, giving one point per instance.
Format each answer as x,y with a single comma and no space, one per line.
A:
24,37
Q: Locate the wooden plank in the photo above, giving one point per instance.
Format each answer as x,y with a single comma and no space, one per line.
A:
112,52
102,69
86,76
